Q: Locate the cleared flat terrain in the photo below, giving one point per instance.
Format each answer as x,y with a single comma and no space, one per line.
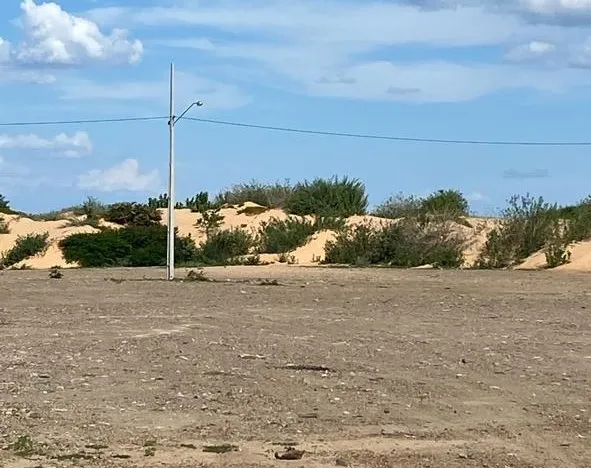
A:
372,368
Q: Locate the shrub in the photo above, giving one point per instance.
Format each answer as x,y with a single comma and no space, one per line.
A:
162,202
92,208
4,226
5,205
269,195
281,236
130,246
578,220
333,197
407,243
199,203
284,235
133,214
399,206
210,221
445,205
159,202
25,247
556,248
224,247
525,228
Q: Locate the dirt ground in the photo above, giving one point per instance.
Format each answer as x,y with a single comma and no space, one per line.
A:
359,368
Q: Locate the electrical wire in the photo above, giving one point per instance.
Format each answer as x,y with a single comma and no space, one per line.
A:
72,122
306,132
393,138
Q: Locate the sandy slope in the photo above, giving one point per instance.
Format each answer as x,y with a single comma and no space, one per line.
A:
250,217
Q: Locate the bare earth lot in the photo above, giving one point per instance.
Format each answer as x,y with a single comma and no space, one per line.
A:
413,368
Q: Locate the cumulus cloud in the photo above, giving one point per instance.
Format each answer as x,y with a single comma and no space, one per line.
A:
55,37
123,176
70,146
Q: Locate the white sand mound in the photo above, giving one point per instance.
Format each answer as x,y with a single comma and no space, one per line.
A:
251,216
57,230
580,259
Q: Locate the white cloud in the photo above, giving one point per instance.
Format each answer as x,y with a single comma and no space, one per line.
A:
533,50
54,36
368,24
189,88
4,50
71,146
568,11
328,48
123,176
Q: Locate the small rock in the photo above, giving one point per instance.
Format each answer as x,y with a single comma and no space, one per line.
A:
341,462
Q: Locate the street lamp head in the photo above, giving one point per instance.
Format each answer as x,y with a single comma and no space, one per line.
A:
199,103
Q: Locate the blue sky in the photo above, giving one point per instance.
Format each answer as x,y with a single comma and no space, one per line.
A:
506,70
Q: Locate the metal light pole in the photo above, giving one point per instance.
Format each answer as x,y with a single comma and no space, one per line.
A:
171,200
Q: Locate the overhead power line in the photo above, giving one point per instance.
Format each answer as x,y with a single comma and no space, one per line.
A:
73,122
394,138
366,136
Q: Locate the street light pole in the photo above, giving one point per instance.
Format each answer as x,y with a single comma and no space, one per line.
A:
170,231
171,163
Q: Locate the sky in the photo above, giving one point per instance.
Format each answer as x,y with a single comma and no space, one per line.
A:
517,70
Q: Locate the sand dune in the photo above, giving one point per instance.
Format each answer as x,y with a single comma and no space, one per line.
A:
250,217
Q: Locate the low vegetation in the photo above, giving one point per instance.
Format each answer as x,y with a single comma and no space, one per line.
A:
529,225
5,205
285,235
4,229
25,247
415,230
442,205
335,198
131,246
404,244
225,247
132,214
270,195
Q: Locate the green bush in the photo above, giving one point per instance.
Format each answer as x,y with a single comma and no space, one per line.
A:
25,247
130,246
526,227
445,205
269,195
199,203
133,214
162,202
399,206
407,243
158,202
285,235
5,205
224,247
338,198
